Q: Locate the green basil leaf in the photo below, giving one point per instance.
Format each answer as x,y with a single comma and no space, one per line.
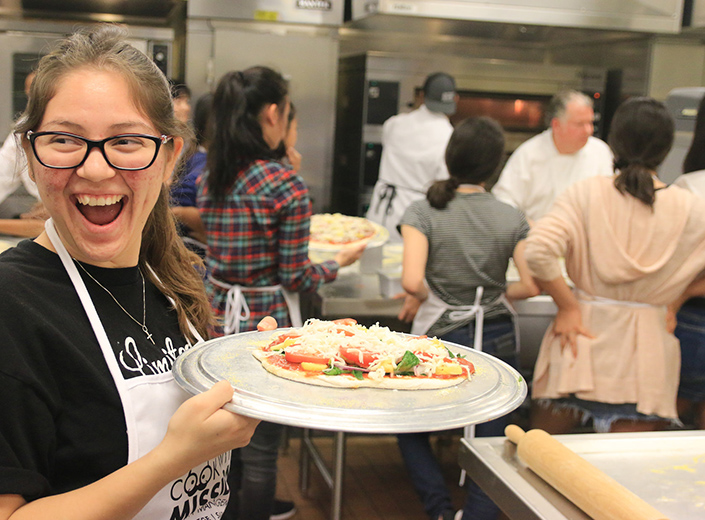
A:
334,371
358,375
408,361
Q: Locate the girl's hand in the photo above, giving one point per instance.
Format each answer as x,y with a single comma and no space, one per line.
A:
350,254
201,429
410,307
568,325
267,323
294,158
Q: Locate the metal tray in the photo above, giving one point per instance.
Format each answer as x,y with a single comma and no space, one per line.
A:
666,469
495,390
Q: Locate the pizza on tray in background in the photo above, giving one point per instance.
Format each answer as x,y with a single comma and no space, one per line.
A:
333,231
342,353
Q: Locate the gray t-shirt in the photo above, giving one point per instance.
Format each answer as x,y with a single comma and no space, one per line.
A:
470,244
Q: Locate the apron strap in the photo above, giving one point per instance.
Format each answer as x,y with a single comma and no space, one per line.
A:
476,310
237,310
389,192
592,299
99,331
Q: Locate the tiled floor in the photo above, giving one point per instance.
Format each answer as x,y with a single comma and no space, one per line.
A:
376,486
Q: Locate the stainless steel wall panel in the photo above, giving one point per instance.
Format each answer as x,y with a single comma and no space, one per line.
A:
659,16
314,12
306,55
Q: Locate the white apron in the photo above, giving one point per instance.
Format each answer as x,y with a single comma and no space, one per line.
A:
433,308
237,310
148,402
388,203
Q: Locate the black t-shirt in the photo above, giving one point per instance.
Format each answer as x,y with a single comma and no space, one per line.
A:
62,424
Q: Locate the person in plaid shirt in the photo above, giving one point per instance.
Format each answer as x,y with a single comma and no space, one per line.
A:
256,212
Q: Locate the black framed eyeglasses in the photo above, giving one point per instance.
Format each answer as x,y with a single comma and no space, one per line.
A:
63,150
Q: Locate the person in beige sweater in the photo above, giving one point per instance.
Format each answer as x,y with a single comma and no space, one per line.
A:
631,246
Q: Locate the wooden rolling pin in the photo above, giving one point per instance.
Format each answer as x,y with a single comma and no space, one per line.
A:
598,495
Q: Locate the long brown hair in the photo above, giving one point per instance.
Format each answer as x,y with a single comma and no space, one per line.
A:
641,136
104,47
473,155
237,138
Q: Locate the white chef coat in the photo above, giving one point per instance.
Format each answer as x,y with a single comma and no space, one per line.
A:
536,173
693,182
413,158
13,169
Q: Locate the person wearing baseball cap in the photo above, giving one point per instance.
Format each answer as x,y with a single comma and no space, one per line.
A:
413,151
439,93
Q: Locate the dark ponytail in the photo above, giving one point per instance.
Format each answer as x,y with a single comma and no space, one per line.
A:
442,192
237,138
641,136
473,155
635,179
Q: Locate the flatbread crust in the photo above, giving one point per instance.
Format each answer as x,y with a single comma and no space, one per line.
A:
349,381
343,354
334,231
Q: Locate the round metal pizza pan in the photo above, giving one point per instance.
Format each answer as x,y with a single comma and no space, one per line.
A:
495,390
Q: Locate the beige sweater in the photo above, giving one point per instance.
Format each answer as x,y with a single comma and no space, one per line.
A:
618,248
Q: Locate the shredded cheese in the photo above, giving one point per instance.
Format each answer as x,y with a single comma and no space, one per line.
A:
324,338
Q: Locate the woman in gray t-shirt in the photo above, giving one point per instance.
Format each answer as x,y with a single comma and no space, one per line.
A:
458,240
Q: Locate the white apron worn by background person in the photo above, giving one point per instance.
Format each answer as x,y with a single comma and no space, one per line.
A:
413,151
388,204
148,402
237,310
433,308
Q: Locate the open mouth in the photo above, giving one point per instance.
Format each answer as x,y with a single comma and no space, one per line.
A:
100,210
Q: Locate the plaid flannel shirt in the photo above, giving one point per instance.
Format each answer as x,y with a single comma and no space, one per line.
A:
258,236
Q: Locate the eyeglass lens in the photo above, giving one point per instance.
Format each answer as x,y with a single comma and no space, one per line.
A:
63,151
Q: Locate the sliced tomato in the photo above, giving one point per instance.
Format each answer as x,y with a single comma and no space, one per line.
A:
295,357
466,363
462,362
358,356
345,321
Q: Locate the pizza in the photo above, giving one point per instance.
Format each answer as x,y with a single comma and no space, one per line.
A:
333,231
342,353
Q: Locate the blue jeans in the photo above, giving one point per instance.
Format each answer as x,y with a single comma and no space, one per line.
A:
690,331
253,475
424,470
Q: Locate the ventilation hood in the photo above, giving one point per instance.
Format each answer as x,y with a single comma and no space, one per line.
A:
646,16
153,11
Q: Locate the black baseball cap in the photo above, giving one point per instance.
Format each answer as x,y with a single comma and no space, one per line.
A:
439,93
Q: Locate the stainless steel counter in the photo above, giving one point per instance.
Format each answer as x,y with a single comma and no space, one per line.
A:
666,469
355,294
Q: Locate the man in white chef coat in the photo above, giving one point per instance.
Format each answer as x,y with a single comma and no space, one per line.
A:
544,166
13,163
413,153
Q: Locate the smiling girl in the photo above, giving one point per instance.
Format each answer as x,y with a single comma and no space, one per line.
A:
95,310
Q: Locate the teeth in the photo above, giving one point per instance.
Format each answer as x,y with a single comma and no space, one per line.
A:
105,200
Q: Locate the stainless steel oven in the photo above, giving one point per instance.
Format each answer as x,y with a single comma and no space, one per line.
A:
23,43
375,86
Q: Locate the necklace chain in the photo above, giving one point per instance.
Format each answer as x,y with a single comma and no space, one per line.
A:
142,325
